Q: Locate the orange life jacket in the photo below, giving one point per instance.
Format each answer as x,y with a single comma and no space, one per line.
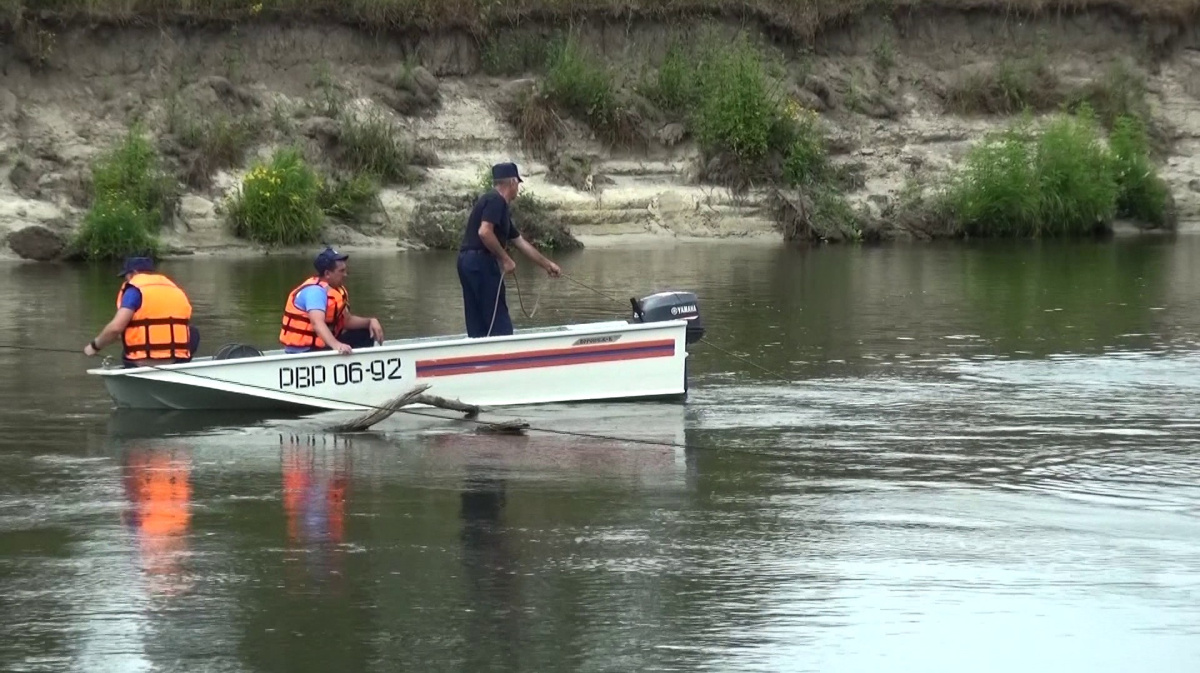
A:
161,327
297,329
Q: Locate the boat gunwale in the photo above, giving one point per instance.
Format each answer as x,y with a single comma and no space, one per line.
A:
413,343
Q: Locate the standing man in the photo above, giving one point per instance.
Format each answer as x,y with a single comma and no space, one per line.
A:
153,319
483,256
317,313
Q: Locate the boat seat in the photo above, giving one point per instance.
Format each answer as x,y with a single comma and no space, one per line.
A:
234,351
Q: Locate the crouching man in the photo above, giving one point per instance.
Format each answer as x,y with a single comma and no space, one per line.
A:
317,313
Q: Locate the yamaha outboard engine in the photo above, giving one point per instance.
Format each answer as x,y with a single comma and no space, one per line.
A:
671,306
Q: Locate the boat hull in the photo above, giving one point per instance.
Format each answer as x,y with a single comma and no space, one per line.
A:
600,361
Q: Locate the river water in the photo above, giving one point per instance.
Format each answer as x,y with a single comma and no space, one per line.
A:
987,460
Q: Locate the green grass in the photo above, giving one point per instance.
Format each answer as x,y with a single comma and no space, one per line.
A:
1060,180
113,229
798,16
1010,87
1143,194
723,91
373,146
1076,183
1120,93
213,142
582,86
132,172
752,133
518,52
278,203
131,198
348,198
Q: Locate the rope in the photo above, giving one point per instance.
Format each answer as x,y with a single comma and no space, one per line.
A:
520,299
703,340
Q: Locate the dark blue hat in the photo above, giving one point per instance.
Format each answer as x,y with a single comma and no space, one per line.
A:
328,259
136,264
505,171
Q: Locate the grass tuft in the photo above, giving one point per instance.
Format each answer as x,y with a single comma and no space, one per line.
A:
348,198
517,53
115,228
374,146
586,89
1144,196
1057,181
1008,88
132,172
278,202
1076,185
213,143
536,118
132,197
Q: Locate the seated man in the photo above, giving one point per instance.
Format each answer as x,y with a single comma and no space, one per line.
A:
317,313
153,319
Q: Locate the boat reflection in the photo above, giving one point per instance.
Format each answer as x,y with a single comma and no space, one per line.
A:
157,485
144,423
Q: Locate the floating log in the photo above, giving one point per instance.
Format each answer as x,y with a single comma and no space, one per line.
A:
471,410
514,427
417,396
364,422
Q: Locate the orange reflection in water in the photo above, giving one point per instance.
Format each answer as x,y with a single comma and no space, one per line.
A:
158,487
314,501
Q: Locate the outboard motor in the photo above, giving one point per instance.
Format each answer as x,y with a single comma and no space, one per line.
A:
671,305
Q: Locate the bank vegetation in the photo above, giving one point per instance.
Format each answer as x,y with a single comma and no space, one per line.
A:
801,17
1076,158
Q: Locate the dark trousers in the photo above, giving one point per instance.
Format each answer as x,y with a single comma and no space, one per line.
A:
483,294
357,338
354,338
193,346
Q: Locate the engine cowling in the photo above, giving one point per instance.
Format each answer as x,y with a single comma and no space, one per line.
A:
671,305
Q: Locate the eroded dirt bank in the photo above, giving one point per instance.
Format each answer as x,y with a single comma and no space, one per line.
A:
880,82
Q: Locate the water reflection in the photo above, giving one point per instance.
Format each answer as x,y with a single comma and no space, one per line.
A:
967,459
316,483
491,571
147,423
157,484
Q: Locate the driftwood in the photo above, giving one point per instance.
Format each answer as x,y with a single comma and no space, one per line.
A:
470,410
417,396
385,410
514,427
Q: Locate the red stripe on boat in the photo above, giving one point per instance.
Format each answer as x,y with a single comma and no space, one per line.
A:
549,357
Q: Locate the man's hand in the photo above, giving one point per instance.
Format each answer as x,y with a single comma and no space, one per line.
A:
552,269
88,350
508,264
342,348
376,330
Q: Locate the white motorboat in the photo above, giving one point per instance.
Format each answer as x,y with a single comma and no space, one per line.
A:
644,357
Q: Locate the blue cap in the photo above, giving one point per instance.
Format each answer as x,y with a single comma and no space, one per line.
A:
328,259
136,264
505,171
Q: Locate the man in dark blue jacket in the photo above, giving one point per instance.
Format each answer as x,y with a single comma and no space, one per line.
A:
483,256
